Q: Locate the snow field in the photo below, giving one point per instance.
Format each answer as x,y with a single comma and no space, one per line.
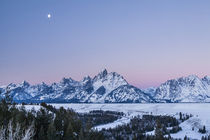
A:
200,112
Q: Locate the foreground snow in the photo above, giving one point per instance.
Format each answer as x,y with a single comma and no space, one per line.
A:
200,112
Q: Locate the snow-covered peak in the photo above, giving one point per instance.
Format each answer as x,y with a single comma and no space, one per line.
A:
5,89
86,79
109,81
190,78
184,89
111,78
24,84
104,71
206,79
68,81
11,86
43,84
101,74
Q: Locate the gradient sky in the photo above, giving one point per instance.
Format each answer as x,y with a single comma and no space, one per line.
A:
146,41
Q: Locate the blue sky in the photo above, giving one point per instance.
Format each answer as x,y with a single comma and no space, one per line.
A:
147,41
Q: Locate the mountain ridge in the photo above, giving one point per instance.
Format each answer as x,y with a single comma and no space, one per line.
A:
110,87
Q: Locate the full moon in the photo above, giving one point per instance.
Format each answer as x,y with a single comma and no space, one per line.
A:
48,16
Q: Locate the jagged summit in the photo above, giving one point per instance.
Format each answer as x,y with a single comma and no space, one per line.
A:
25,83
101,74
206,79
86,78
104,72
67,80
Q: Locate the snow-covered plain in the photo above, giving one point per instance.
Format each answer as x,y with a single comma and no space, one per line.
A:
200,112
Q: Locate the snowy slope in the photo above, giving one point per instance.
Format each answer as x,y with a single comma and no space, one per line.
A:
128,94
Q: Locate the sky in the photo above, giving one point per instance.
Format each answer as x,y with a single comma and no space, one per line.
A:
146,41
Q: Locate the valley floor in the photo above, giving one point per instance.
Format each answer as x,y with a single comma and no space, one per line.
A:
200,112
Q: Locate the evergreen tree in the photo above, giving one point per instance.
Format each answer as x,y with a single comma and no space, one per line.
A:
51,132
158,131
203,130
81,134
88,125
180,116
68,134
185,137
41,135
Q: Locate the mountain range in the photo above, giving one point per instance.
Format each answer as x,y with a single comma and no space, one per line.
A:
110,88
